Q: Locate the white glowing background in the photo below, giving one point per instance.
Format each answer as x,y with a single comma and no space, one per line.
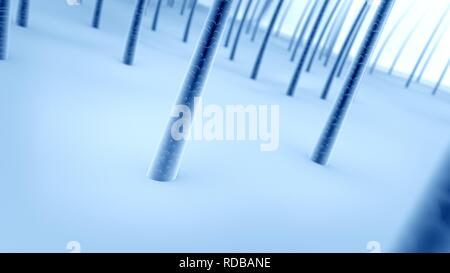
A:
432,9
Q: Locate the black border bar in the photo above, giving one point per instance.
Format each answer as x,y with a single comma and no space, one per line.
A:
266,262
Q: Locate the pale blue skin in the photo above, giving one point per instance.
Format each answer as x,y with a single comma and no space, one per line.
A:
79,130
336,119
165,165
134,33
4,24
